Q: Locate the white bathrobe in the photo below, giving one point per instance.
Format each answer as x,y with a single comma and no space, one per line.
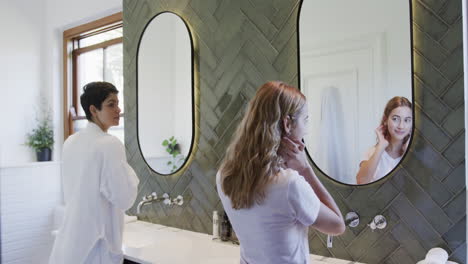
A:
98,186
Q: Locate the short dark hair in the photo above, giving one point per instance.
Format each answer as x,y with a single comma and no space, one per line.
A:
94,93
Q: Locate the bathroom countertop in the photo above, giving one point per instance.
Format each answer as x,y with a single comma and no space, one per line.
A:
149,243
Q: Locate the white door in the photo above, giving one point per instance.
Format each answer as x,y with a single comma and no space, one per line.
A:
339,84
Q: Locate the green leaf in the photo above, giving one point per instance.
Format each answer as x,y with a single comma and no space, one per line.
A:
42,136
172,138
169,162
165,142
168,150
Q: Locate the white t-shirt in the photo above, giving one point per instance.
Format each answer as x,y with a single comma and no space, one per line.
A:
276,230
385,165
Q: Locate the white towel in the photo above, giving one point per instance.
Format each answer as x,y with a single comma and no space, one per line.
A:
428,262
436,256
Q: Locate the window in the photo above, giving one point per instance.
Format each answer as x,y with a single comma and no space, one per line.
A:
92,52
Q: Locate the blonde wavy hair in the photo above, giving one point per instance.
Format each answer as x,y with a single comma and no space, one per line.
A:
251,160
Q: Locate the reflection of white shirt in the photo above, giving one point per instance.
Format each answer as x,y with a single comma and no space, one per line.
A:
385,165
98,186
276,230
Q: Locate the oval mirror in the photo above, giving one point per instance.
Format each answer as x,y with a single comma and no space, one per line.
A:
355,62
165,114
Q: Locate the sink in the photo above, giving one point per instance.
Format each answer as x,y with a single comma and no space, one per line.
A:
140,234
136,240
148,243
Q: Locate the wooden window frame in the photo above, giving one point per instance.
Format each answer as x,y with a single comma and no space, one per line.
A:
69,54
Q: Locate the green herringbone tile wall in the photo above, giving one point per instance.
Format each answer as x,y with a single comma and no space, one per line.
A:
240,44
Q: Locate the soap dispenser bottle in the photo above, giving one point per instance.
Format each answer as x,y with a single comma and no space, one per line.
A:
215,225
225,228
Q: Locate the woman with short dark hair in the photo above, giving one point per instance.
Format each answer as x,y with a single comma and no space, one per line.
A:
98,185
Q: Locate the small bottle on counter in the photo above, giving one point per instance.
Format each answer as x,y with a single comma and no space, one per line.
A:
234,238
225,228
215,225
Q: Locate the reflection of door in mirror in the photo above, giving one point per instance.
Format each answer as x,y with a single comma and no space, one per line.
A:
164,90
331,131
354,57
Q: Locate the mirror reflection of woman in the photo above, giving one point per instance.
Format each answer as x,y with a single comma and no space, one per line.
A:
393,136
266,185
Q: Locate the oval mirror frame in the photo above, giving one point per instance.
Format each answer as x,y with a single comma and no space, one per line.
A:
412,99
192,148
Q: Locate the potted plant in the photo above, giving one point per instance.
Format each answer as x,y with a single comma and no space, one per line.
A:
41,139
173,148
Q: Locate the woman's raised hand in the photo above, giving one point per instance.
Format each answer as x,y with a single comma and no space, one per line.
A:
293,154
380,137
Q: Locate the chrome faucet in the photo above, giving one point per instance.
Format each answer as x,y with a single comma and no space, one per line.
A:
352,219
378,222
153,197
179,200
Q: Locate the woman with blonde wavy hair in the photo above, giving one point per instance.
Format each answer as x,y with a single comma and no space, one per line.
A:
266,185
393,136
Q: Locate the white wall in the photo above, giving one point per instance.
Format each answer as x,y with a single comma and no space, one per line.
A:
31,53
21,24
183,90
155,85
29,194
333,21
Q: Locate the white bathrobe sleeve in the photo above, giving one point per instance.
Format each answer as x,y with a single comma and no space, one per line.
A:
119,182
